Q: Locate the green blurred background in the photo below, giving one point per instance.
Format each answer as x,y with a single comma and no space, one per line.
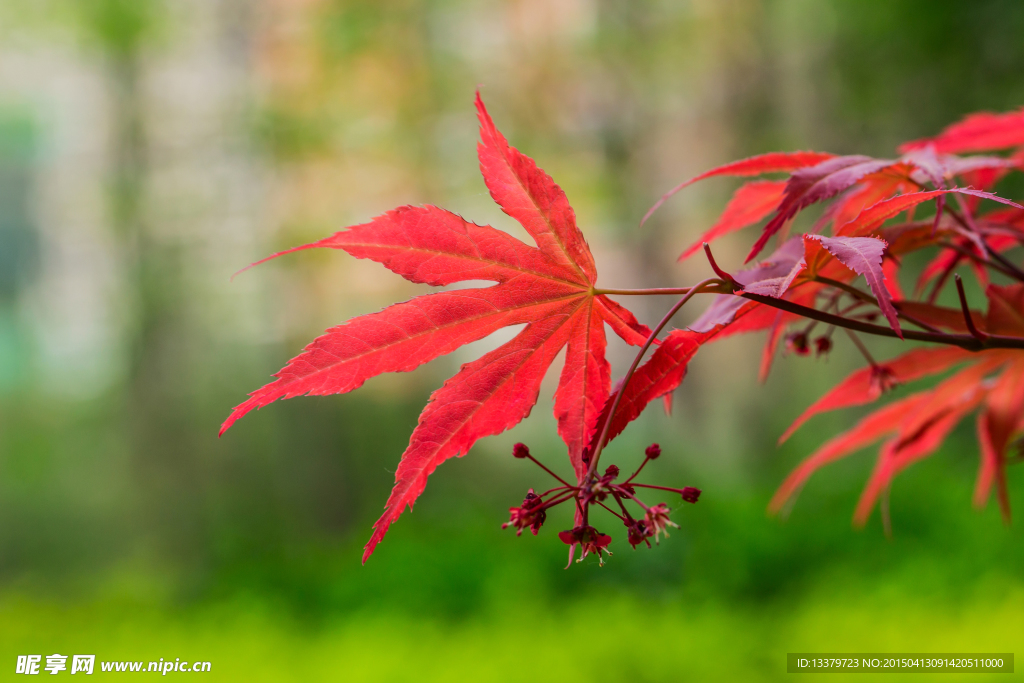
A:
149,149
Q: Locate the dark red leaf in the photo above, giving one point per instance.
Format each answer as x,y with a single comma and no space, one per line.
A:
891,271
895,457
775,334
780,264
939,267
872,218
584,385
622,321
949,393
486,397
870,190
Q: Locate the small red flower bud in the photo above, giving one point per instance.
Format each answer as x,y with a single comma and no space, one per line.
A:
690,494
653,451
822,345
520,451
611,473
797,343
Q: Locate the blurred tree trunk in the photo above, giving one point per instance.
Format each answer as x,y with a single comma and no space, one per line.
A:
155,409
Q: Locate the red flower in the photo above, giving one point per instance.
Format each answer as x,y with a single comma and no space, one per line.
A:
589,539
530,514
657,522
637,533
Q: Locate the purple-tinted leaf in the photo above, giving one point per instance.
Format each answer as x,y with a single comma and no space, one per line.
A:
929,165
775,287
779,265
863,255
960,165
814,184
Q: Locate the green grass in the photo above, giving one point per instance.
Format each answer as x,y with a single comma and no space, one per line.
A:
604,637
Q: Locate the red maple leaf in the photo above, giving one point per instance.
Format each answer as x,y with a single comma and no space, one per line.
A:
549,287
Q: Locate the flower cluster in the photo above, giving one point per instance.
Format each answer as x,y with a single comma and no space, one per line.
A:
652,522
530,514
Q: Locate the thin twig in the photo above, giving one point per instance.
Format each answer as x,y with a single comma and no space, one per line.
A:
631,477
632,368
635,499
968,319
540,465
1015,272
940,281
674,291
541,495
868,299
860,347
967,253
661,488
621,505
611,511
849,289
718,271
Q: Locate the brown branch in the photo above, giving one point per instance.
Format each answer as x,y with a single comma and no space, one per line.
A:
964,341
